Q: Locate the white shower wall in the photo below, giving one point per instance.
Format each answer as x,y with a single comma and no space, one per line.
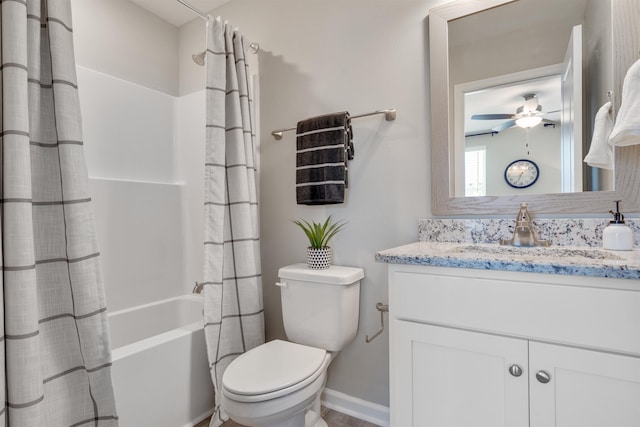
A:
190,134
127,71
148,239
129,129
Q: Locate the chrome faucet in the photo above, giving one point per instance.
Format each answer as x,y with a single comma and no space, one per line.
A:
197,289
523,235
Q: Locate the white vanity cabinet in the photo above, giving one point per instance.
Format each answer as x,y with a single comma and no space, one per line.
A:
474,348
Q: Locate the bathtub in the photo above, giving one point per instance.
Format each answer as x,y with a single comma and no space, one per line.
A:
160,369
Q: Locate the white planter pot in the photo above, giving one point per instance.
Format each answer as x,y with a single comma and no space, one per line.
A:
319,258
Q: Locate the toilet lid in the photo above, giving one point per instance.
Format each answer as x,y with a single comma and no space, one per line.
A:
272,366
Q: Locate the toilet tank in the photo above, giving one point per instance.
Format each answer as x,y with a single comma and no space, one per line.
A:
320,308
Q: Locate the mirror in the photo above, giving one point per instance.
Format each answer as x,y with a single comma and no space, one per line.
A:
457,71
511,106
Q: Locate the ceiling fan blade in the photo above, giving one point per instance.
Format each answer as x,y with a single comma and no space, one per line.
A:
492,116
504,126
550,122
549,112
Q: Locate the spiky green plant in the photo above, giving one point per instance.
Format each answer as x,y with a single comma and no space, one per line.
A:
319,234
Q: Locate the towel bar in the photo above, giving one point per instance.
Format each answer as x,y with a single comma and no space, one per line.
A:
389,115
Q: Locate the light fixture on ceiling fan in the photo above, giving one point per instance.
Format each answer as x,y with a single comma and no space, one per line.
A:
529,112
528,120
527,115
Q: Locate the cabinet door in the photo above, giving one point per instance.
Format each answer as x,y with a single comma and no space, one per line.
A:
585,388
448,377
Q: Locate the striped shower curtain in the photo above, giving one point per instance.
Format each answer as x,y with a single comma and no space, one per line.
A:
55,345
233,312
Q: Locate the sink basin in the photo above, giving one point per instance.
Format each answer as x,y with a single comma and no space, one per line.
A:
538,252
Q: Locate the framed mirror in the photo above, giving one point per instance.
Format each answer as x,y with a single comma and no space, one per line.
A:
446,123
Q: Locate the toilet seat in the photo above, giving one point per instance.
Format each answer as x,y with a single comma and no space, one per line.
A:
272,370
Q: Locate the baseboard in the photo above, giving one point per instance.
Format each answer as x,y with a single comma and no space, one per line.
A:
358,408
200,418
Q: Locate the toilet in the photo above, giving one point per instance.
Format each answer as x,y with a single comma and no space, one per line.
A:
279,383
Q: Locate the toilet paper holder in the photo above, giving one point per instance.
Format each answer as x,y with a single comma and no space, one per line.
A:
382,308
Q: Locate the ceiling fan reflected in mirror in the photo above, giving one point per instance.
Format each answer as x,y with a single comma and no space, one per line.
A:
528,115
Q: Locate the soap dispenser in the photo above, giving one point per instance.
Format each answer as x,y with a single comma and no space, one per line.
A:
617,236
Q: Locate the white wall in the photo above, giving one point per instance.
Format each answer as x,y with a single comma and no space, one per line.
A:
324,56
511,144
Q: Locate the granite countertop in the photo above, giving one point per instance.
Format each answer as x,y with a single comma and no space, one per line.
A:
568,260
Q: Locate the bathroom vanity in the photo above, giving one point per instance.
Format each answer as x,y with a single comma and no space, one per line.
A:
484,335
487,335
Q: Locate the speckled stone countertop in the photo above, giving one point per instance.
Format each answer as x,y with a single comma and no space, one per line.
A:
576,247
568,260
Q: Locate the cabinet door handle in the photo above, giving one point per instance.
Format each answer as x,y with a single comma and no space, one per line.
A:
543,376
515,370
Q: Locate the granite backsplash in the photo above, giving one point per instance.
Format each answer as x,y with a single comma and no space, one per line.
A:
560,232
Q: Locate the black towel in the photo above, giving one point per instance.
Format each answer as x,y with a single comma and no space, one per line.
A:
324,147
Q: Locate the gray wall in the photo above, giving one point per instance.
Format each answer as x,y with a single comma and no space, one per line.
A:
320,57
598,60
317,57
123,40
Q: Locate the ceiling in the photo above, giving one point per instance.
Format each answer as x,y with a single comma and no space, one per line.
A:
174,12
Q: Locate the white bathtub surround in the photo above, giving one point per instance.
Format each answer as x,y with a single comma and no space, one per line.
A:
160,367
561,232
233,310
129,129
56,358
142,252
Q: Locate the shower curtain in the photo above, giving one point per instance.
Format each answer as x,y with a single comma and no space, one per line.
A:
233,312
55,346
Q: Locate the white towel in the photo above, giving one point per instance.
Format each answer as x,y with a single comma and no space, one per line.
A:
627,128
600,151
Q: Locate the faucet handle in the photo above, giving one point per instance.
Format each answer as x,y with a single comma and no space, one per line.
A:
523,215
523,234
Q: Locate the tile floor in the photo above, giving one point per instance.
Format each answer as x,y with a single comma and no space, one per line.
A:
333,419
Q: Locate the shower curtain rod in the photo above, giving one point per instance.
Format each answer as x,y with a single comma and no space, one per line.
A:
389,115
198,12
255,47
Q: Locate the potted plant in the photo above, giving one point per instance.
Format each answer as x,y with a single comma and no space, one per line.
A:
319,235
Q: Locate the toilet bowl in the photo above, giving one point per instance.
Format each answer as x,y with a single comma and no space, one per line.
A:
276,384
279,383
